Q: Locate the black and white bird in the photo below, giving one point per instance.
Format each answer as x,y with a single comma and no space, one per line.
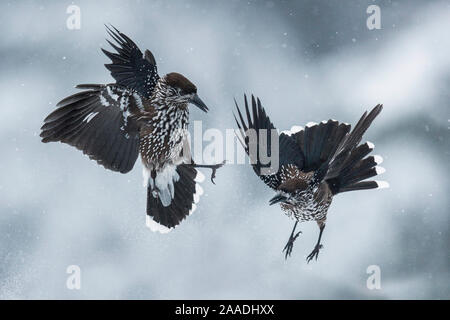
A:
141,113
316,163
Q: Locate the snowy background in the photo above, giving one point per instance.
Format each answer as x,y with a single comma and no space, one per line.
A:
307,61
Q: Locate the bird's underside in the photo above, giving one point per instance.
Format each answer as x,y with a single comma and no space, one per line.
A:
141,114
315,163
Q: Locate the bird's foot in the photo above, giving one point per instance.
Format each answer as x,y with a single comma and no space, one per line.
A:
290,244
314,253
213,167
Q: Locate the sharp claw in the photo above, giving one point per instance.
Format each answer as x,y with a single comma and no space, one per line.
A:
290,245
314,253
214,169
213,175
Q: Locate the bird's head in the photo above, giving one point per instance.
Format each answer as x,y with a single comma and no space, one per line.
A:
294,182
177,89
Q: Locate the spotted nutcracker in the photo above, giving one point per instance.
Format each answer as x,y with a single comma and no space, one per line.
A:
141,113
315,163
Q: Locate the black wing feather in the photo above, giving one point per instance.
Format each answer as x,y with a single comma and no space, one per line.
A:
100,122
289,152
129,66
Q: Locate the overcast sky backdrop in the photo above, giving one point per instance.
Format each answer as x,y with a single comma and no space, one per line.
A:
307,61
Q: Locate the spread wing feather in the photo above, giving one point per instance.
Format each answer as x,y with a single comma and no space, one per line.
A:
258,125
129,67
100,122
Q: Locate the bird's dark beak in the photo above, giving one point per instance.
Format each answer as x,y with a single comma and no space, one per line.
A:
195,100
278,198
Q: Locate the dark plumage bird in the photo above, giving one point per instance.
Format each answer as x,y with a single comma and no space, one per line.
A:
141,113
315,164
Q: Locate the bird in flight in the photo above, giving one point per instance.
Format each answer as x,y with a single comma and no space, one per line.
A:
315,164
141,113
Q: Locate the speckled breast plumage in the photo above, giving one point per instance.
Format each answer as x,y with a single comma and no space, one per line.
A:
162,140
308,205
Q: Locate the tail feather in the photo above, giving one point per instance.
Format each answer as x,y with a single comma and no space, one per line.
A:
349,166
364,185
167,208
356,156
318,142
361,174
351,141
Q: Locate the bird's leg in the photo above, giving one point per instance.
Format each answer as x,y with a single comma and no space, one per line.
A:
213,167
315,252
290,244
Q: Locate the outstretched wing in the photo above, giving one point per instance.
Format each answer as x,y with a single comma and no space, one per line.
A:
257,121
129,66
99,121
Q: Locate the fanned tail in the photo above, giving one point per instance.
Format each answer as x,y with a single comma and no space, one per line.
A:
172,196
349,166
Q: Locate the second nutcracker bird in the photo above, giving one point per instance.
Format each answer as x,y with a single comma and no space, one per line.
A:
315,164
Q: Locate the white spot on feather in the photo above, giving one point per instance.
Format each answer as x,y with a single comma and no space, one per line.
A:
156,227
164,183
198,193
294,130
380,170
146,175
378,159
194,207
200,177
103,101
370,145
113,96
382,184
90,116
311,124
138,100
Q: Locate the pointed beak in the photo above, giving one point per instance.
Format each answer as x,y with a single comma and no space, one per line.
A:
278,198
199,103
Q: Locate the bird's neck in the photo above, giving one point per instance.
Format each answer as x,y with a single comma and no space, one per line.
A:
162,98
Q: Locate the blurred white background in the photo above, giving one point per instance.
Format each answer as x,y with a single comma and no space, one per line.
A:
307,61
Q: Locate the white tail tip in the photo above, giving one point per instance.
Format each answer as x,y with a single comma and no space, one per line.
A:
378,159
156,227
296,129
370,145
198,193
380,170
200,177
293,130
194,207
382,184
